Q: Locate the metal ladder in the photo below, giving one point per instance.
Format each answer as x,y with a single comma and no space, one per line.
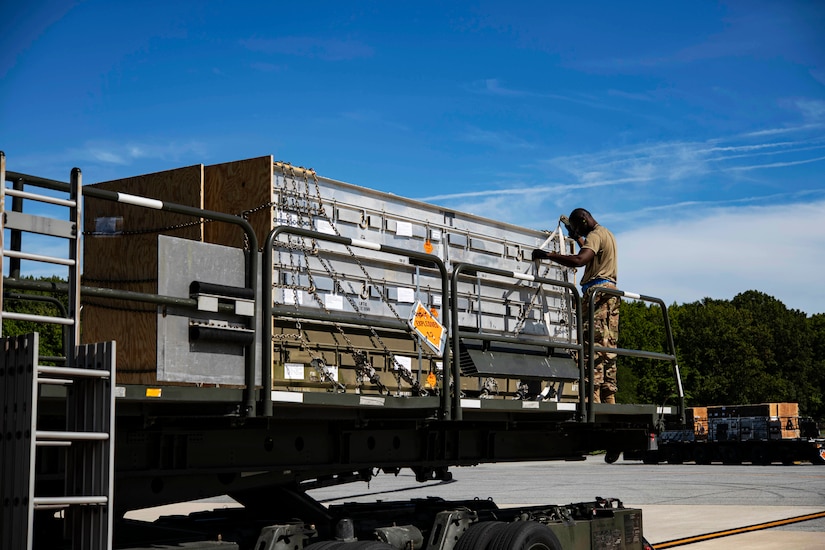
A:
26,387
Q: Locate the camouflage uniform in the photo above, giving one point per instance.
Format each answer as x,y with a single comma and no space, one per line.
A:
606,334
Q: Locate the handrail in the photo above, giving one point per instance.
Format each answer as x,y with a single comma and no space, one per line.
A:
18,223
251,256
591,415
457,269
266,374
50,300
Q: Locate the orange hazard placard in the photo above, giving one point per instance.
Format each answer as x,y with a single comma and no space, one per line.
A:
428,328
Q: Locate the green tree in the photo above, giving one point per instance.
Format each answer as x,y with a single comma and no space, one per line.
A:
641,327
815,376
782,342
37,303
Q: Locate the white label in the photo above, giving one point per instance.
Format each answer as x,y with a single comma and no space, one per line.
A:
371,400
245,308
288,396
294,371
405,362
207,303
289,296
333,301
323,226
403,229
406,295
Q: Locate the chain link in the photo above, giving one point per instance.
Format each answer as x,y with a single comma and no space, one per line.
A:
147,230
306,209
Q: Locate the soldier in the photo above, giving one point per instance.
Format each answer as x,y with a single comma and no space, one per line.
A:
598,257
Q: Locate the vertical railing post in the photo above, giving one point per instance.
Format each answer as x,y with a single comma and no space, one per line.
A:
16,236
75,215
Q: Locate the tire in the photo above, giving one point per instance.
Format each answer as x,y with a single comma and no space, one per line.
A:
675,456
324,545
730,455
651,457
760,456
479,535
525,535
611,456
701,455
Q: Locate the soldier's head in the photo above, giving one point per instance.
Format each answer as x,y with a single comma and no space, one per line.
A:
582,221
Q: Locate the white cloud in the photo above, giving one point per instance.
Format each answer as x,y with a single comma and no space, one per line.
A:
776,250
812,109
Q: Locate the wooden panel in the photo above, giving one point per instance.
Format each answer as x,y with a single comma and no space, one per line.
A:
233,188
697,417
785,410
788,414
127,260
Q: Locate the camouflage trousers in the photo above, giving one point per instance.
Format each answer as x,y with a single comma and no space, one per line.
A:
606,334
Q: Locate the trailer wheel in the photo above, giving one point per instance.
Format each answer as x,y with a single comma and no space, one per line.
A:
651,457
760,456
525,535
701,455
675,456
611,456
730,455
479,535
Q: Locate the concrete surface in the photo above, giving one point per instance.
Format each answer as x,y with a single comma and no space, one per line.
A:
677,501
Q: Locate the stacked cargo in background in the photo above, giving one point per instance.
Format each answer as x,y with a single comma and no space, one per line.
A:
762,433
761,421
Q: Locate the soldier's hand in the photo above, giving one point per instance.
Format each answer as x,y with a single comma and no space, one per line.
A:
539,254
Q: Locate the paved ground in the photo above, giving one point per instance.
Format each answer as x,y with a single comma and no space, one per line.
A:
677,500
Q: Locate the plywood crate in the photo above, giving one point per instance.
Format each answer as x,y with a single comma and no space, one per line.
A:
243,188
697,419
788,415
120,252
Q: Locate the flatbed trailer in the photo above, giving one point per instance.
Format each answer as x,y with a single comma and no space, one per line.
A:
369,333
759,434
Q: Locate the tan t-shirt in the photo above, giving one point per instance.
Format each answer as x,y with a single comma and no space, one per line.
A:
605,264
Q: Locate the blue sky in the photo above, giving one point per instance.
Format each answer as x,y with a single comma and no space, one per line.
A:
694,130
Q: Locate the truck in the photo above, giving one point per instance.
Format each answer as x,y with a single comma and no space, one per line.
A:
760,434
255,330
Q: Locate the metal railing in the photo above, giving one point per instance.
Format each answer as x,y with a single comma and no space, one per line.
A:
266,375
594,349
457,334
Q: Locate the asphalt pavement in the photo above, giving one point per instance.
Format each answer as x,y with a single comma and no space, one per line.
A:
677,501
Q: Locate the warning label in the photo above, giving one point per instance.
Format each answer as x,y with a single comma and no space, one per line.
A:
431,332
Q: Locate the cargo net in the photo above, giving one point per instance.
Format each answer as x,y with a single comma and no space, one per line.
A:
348,321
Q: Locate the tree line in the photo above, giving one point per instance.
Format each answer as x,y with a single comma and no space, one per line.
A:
751,349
